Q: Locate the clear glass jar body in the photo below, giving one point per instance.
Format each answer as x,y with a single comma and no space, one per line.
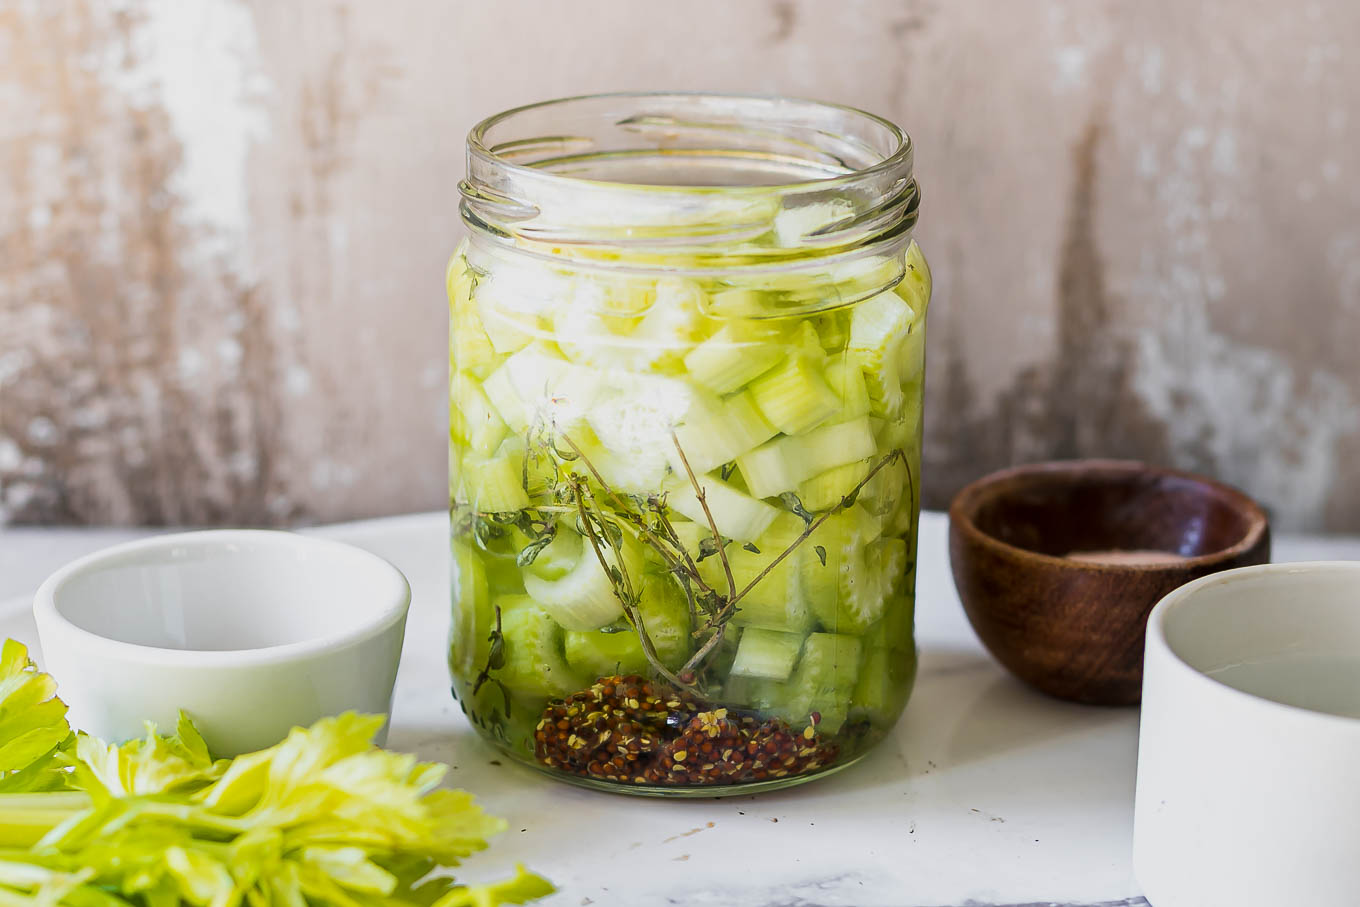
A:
685,415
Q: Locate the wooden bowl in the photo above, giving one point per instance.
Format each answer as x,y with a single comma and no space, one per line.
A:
1073,627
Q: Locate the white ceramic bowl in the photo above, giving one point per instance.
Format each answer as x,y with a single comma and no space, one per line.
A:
1252,798
249,632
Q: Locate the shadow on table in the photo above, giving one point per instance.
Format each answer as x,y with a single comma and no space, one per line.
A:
1007,716
965,709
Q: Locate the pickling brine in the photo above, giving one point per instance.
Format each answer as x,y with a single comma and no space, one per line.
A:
685,433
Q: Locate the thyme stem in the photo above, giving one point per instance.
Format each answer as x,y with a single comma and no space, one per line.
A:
712,524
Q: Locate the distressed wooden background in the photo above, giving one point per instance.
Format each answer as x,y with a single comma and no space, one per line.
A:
223,229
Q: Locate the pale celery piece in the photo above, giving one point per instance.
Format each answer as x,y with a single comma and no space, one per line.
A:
602,432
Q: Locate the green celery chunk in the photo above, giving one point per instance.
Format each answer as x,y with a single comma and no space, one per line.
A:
794,396
535,665
492,485
470,349
878,332
473,421
615,650
737,353
846,380
779,465
826,489
766,653
883,686
536,386
557,558
583,598
645,327
851,590
634,419
471,602
737,515
718,431
776,600
822,684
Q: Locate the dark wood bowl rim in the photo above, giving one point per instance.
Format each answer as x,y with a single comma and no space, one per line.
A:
993,485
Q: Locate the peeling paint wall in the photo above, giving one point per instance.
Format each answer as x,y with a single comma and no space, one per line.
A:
223,227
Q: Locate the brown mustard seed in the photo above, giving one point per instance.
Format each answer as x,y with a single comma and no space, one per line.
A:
630,730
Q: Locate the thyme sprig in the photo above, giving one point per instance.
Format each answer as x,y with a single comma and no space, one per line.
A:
571,494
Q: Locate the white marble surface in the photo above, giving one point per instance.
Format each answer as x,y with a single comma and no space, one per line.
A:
987,793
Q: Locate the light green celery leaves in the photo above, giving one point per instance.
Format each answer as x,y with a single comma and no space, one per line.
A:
149,765
32,724
323,816
521,889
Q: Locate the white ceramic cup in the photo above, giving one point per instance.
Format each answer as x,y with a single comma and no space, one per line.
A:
1245,800
249,632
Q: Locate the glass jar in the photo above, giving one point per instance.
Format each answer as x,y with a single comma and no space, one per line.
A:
686,347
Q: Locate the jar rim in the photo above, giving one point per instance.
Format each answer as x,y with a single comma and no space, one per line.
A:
698,180
898,158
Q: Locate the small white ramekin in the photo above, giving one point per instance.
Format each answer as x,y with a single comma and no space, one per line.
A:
250,632
1244,801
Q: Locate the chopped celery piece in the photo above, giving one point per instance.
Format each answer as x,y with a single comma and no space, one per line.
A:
649,331
834,445
536,386
737,515
898,627
895,630
633,471
600,653
878,332
583,598
781,464
507,331
473,421
471,599
794,396
500,390
736,354
770,469
820,688
666,617
470,349
766,653
634,420
916,283
851,590
493,485
884,683
846,380
534,662
670,327
776,601
913,356
557,558
617,649
895,491
512,303
718,431
826,489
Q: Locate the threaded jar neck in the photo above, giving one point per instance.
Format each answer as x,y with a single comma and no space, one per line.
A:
691,182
